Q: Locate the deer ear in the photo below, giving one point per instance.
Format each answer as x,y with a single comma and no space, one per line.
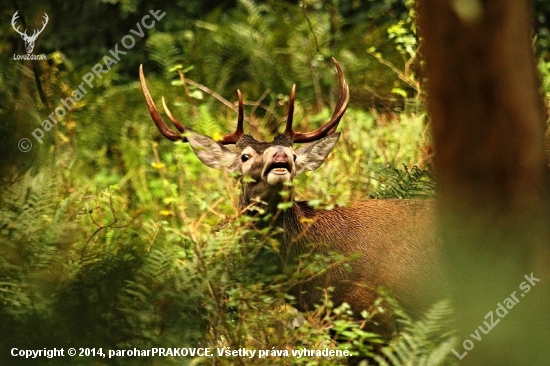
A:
212,153
310,157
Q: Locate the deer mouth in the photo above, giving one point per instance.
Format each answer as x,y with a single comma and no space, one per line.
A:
278,168
278,172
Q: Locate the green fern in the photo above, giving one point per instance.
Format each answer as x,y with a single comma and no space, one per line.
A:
424,342
29,242
164,51
405,183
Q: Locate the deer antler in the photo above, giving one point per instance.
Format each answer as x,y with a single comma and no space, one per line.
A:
231,138
330,126
35,33
13,19
44,23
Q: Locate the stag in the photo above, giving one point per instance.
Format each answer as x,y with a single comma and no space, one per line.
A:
29,40
392,241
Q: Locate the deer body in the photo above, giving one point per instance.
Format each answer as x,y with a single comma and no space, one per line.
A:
394,251
390,242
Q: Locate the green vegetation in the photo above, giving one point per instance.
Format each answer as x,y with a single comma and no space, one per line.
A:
112,237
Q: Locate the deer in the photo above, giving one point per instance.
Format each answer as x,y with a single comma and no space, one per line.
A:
29,40
392,242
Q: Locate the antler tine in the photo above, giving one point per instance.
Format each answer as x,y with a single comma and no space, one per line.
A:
44,23
343,98
175,122
155,115
240,127
339,110
232,138
288,130
13,20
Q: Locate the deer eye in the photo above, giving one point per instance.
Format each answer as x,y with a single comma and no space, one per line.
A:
245,157
294,157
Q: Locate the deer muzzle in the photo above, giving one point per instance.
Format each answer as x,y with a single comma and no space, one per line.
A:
278,166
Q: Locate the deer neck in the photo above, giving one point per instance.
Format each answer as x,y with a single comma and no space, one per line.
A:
287,217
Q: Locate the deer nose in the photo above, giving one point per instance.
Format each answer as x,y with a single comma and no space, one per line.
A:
280,157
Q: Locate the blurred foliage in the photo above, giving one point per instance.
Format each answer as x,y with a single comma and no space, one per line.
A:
112,237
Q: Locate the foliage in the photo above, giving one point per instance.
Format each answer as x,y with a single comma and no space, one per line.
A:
426,341
113,238
134,254
99,270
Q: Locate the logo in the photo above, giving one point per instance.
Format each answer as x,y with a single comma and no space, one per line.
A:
29,40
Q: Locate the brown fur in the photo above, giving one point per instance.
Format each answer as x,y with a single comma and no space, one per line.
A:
394,244
392,240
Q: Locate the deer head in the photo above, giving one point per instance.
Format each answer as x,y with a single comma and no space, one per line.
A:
391,240
269,165
29,40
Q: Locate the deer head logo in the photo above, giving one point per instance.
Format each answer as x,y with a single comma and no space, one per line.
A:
29,40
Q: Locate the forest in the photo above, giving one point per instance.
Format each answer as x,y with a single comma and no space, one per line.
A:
124,247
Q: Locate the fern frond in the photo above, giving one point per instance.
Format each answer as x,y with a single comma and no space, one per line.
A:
424,342
163,50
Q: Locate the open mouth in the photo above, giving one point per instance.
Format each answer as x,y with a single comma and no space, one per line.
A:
278,168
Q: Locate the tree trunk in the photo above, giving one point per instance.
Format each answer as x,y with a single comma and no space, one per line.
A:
493,188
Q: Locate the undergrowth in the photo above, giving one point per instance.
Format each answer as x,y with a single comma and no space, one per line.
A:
159,260
118,239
